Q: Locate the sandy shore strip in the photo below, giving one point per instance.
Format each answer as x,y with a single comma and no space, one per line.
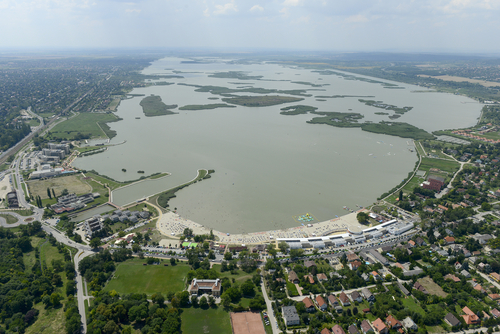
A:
173,225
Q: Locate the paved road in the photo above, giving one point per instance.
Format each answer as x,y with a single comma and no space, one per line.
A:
270,312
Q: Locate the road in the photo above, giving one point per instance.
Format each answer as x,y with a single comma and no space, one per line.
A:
270,312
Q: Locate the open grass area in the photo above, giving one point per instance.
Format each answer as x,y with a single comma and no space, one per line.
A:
9,218
197,320
444,165
113,104
92,125
132,276
144,207
432,287
48,322
73,183
412,305
104,180
292,289
239,278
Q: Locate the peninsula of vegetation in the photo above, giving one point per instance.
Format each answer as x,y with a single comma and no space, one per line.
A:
235,75
381,105
153,106
297,110
206,106
261,101
350,120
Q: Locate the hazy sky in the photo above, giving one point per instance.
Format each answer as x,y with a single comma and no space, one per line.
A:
366,25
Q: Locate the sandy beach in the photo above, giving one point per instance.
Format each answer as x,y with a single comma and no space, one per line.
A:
172,225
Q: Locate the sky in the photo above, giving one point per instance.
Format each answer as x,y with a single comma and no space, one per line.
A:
471,26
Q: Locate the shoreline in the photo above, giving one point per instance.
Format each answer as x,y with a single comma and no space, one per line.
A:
172,224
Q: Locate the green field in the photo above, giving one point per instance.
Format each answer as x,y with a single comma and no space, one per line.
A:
132,276
153,106
240,277
197,320
92,125
444,165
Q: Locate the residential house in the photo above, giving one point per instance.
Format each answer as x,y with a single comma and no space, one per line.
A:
451,320
290,315
321,277
356,297
321,303
337,329
325,331
353,329
479,288
495,313
308,304
418,286
366,327
409,324
403,289
309,278
292,277
458,266
376,275
380,326
470,317
392,322
449,240
494,296
449,232
465,273
333,300
486,316
368,295
495,276
420,241
354,265
412,243
344,300
309,264
452,277
351,256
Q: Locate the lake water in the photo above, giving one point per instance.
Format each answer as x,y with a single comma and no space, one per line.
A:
269,167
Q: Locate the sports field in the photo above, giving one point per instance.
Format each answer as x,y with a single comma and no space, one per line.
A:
197,320
73,183
132,276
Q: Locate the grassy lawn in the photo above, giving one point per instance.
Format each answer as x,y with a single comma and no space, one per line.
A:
197,320
412,305
245,302
49,321
10,219
432,287
73,183
132,277
239,278
444,165
84,123
292,289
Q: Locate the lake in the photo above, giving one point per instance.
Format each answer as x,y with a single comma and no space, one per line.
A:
269,168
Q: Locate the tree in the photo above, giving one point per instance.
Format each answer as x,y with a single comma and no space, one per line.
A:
158,298
362,217
95,242
64,192
172,261
203,302
247,288
53,193
228,256
55,299
194,300
136,248
211,301
401,195
283,246
49,195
